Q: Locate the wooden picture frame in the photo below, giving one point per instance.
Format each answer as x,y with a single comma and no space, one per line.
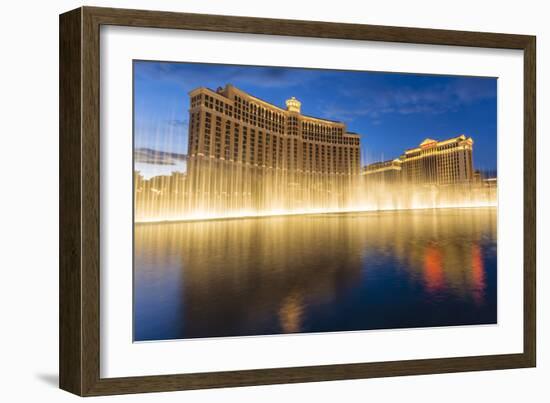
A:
79,346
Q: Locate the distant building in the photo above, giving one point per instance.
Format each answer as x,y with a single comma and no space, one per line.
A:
477,177
432,162
439,162
387,172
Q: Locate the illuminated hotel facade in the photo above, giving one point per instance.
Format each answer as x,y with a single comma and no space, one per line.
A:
384,172
245,153
432,162
247,157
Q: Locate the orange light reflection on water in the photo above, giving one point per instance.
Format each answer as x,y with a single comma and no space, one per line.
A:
433,268
478,274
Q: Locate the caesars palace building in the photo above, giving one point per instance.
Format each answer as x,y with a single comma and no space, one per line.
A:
447,162
245,153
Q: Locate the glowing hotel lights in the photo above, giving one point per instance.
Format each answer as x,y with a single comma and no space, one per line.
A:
247,158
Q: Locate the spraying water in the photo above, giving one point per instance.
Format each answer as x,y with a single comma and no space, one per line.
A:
216,189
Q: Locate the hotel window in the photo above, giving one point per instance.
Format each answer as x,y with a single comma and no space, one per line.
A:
260,148
274,152
295,150
252,145
288,149
227,149
243,156
280,154
236,142
218,137
207,133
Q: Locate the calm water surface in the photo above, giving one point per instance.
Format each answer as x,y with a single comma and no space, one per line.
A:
333,272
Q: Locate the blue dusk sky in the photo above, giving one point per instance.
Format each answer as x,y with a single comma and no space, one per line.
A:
391,111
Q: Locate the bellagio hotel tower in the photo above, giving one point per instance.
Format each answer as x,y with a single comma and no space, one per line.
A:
246,153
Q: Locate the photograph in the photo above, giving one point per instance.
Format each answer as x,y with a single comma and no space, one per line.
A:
275,200
279,199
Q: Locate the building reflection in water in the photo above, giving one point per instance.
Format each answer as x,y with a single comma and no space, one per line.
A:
315,273
478,274
291,313
433,268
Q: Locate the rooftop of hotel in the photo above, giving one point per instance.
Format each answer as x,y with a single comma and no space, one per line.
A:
428,142
222,90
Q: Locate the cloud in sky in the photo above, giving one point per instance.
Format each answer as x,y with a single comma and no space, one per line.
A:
189,75
157,157
407,100
151,162
178,122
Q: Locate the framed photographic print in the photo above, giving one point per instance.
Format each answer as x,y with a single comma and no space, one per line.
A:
249,201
